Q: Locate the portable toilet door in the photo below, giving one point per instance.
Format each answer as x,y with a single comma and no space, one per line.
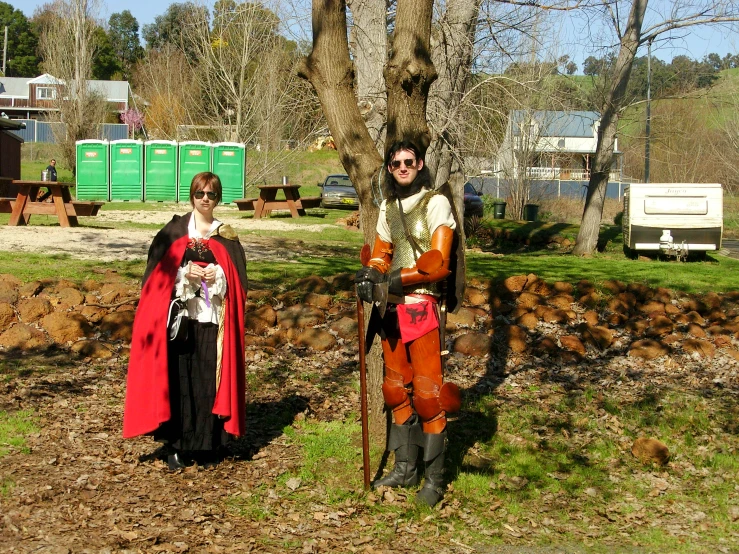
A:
93,178
195,157
160,170
126,170
228,163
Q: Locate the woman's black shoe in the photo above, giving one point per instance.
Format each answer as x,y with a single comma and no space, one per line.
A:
175,462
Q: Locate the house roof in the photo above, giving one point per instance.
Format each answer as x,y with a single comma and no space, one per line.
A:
17,87
557,123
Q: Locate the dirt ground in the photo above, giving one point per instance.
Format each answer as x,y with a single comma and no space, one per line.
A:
110,244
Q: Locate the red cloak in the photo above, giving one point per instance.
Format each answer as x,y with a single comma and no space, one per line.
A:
147,388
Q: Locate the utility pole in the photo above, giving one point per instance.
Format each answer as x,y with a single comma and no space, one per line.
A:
5,49
649,111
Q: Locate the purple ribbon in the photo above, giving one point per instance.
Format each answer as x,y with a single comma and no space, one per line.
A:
207,295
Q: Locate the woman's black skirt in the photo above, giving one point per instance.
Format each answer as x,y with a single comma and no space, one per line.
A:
192,392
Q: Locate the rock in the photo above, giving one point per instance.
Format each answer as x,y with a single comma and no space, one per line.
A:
537,286
473,344
69,297
515,283
528,320
343,282
110,293
33,309
547,344
585,287
299,316
23,337
661,325
7,315
618,306
257,295
515,338
648,450
118,325
599,336
465,317
313,283
563,301
590,299
572,343
92,349
637,326
475,297
695,317
261,319
65,326
8,292
529,300
590,317
93,313
550,315
648,349
30,289
317,339
10,280
561,287
696,331
702,348
651,307
614,286
346,328
322,301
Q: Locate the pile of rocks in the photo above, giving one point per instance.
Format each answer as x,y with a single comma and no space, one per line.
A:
522,314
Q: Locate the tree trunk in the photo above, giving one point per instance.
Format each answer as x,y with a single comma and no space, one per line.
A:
410,73
330,71
369,38
587,238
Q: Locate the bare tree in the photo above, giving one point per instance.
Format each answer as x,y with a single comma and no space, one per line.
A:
67,45
631,34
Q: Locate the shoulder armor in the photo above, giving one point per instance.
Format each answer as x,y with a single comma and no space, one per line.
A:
227,232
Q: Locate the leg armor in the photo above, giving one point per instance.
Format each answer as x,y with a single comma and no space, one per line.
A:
398,378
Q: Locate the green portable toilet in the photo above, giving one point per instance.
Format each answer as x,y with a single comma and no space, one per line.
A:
160,170
92,170
228,163
195,157
126,170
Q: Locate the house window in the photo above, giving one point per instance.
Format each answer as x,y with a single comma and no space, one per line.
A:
45,93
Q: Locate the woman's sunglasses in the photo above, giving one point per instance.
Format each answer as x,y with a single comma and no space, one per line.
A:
200,193
395,164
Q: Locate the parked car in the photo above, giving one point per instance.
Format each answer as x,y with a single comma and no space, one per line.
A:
337,191
472,202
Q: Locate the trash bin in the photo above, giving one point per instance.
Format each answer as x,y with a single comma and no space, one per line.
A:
499,210
530,211
126,170
160,170
194,158
228,163
93,180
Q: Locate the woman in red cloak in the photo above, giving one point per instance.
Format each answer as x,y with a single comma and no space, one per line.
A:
189,393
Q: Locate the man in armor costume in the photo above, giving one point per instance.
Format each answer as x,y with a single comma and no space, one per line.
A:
404,278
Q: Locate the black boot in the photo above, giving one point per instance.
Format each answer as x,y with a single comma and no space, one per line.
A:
405,440
175,461
433,455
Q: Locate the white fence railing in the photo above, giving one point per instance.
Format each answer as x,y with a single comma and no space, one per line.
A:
565,174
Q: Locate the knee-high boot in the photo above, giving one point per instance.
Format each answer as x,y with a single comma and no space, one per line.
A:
405,440
433,455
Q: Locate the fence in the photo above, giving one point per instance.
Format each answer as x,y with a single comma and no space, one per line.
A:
42,131
549,188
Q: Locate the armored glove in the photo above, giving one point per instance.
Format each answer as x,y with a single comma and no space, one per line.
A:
365,281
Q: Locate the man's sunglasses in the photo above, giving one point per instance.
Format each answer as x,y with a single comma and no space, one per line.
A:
200,193
395,164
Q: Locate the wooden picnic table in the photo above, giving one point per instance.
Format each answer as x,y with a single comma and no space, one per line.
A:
268,200
29,202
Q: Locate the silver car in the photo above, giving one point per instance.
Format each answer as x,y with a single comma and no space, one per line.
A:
337,191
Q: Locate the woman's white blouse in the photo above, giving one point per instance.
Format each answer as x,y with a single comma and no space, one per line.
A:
187,290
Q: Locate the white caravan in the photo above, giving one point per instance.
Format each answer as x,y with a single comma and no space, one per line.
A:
673,218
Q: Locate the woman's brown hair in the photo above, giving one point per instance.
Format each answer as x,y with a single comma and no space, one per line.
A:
202,180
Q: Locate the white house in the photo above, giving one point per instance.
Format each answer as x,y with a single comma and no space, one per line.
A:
551,145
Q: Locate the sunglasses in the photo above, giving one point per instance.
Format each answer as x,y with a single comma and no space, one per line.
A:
395,164
200,193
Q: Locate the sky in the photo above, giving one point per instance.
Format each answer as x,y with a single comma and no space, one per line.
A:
696,44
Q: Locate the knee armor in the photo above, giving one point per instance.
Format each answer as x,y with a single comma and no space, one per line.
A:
429,399
393,390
